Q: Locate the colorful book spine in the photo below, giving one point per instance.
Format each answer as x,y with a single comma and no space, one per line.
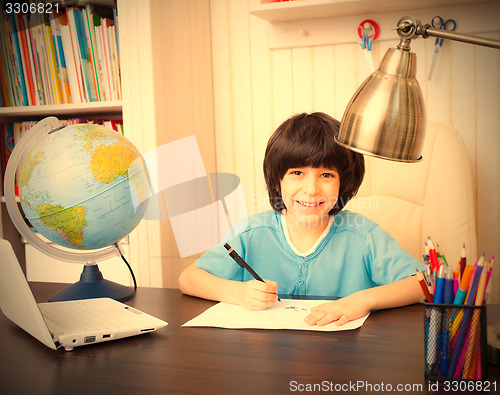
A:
25,58
52,65
60,59
3,70
37,66
23,95
92,49
84,49
32,60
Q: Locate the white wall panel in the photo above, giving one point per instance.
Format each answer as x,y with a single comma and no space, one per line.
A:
222,75
462,94
347,78
282,85
302,79
323,79
261,107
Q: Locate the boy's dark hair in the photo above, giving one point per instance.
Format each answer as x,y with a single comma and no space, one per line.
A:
308,140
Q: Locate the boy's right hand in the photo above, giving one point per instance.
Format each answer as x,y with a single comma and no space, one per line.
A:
258,295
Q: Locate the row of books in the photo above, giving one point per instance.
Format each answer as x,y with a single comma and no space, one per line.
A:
71,56
10,133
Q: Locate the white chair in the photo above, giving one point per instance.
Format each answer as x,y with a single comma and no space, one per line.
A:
432,198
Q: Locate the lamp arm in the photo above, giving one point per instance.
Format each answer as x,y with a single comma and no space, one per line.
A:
428,31
409,28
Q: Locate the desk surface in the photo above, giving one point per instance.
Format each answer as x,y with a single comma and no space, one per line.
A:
387,351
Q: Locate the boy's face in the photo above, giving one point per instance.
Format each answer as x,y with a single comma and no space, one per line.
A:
309,194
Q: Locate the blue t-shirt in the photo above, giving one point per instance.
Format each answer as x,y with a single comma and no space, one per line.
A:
355,254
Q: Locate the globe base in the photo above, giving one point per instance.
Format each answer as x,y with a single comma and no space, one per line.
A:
93,285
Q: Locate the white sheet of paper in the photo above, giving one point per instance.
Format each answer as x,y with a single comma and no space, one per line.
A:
287,314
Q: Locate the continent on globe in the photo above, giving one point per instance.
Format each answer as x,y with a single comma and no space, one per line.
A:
69,223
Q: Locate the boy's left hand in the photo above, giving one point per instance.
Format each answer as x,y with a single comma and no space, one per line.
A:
339,311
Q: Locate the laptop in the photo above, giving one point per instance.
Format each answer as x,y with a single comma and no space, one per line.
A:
66,324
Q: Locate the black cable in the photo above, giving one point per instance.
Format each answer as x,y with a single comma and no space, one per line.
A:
129,267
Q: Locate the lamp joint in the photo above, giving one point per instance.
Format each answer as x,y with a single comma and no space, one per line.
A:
404,45
408,27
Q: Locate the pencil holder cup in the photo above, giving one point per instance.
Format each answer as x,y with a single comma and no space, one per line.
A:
455,342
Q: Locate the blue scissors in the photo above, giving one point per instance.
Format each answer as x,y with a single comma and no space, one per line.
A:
439,23
368,31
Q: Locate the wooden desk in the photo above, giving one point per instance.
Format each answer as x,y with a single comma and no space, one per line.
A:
387,351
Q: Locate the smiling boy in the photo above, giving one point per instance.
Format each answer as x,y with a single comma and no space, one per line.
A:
309,245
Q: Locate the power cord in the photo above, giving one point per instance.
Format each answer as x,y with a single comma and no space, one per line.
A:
129,267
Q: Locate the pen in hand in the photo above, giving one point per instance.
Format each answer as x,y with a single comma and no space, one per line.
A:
240,261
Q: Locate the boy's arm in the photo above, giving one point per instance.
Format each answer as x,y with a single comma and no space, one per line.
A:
252,295
401,293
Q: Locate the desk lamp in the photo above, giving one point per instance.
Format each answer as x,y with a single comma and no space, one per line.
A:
386,115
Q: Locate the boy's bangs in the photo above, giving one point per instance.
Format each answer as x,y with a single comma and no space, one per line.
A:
315,151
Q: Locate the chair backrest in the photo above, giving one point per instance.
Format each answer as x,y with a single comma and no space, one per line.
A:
433,197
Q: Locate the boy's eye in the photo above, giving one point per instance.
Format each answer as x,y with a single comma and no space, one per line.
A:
327,175
296,172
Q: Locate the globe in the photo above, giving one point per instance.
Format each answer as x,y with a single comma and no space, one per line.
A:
82,187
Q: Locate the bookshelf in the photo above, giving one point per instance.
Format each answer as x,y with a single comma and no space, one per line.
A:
102,109
71,109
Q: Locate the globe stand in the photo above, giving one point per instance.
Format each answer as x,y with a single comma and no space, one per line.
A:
93,285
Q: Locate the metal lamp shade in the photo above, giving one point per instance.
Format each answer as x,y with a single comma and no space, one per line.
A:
386,115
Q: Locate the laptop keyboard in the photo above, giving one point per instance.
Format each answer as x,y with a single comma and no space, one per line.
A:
81,315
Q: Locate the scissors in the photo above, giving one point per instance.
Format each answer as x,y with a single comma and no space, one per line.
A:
368,31
439,23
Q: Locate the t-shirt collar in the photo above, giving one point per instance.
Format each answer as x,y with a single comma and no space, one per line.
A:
313,248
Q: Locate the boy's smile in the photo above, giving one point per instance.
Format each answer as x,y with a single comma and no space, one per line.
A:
309,193
311,205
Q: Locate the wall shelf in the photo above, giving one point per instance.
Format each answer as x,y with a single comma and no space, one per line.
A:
309,23
72,109
312,9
